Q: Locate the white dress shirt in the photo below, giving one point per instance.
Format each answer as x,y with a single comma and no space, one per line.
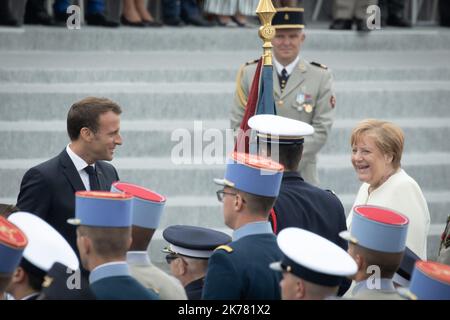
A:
80,164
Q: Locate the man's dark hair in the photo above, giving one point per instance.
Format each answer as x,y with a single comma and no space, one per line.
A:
86,113
108,242
387,262
289,155
258,204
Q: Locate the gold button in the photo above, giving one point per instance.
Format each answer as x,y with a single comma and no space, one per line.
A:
280,102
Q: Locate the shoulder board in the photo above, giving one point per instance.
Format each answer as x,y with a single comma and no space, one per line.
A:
251,62
331,191
319,65
224,247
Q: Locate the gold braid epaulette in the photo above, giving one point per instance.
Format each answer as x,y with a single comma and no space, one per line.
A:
240,93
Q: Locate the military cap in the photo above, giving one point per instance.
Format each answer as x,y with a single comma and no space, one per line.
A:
404,272
45,245
289,18
378,229
192,241
12,244
276,129
56,285
253,174
102,209
430,281
147,205
313,258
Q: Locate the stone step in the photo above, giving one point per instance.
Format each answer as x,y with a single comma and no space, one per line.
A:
211,39
164,138
212,100
171,66
431,171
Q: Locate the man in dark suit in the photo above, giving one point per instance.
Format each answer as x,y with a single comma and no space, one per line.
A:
48,190
238,271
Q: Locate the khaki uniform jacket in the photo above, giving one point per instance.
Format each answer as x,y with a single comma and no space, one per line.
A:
359,291
150,276
308,97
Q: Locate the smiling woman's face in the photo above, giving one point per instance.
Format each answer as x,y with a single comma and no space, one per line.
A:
370,164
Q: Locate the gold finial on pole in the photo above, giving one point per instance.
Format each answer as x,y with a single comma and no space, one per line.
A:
265,12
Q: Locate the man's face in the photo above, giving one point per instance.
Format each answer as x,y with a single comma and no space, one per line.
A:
107,137
287,44
229,201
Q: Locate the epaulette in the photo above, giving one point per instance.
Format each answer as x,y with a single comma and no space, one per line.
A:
251,62
224,247
331,191
319,65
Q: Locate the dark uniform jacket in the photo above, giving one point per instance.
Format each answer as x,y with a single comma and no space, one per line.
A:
194,289
305,206
243,272
121,288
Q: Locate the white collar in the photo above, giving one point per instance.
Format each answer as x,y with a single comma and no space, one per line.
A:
79,163
139,258
289,68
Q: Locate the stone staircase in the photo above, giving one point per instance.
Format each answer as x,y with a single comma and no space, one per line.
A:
169,78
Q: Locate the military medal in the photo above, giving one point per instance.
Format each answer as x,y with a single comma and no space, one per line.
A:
308,108
300,98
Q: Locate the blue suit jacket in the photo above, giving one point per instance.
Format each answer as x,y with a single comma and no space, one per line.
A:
48,190
121,288
244,273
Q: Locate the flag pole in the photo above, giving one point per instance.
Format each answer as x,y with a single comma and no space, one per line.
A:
266,12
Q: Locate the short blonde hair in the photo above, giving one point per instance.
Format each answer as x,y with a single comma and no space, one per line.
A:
389,137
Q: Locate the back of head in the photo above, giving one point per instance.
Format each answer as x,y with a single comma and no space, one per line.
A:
289,155
86,113
108,242
256,204
389,137
387,262
141,238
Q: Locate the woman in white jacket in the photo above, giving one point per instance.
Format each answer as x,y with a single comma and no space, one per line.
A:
377,148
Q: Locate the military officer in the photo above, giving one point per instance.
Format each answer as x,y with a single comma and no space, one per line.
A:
377,243
148,207
239,270
299,203
103,239
45,247
189,249
312,266
12,244
302,90
430,281
55,285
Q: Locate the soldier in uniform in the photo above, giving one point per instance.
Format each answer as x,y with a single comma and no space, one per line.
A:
103,239
148,207
302,90
430,281
308,275
45,247
347,11
377,242
188,254
55,285
239,270
12,244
